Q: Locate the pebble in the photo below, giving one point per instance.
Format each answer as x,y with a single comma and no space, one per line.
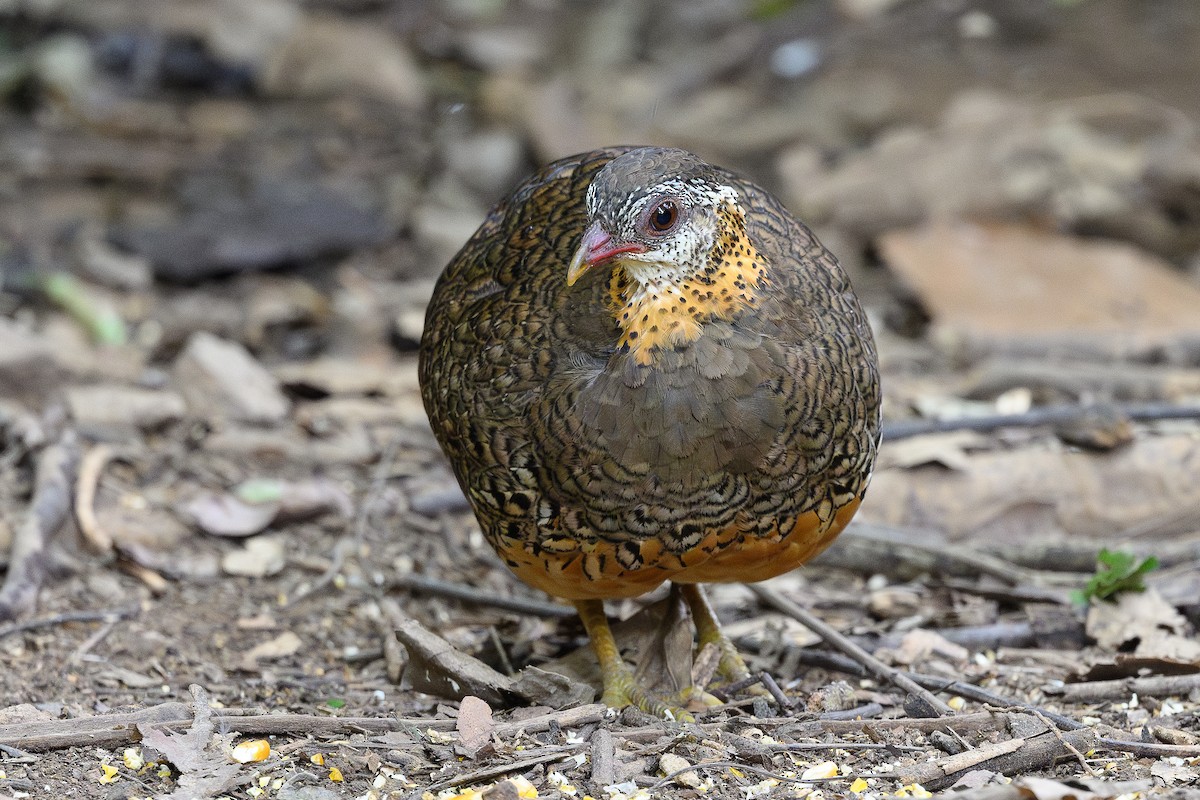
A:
220,379
29,369
115,408
796,58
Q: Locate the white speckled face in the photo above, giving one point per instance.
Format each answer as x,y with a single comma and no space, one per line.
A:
676,223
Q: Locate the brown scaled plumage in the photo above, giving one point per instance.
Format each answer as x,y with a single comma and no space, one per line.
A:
642,368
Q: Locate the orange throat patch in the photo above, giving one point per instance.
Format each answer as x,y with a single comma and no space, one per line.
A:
667,305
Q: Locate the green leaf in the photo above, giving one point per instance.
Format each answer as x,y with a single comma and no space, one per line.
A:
335,702
100,319
1119,571
259,490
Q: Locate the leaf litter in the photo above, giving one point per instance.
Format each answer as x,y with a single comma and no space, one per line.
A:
285,404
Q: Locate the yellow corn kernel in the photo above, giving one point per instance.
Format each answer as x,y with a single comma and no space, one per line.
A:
251,750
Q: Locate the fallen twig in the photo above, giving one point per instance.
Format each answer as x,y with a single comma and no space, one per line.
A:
69,616
867,547
973,722
505,768
567,718
1099,691
1132,383
1149,749
47,512
1045,415
471,594
840,663
1007,757
97,636
111,730
91,467
932,705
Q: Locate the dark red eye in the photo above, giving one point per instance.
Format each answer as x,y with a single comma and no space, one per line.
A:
664,216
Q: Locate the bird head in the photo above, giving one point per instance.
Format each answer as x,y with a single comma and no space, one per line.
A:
653,211
673,233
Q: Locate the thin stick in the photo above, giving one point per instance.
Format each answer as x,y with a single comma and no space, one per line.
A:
46,514
1068,745
1153,686
835,639
1046,415
773,688
91,467
1149,749
470,594
840,663
68,616
497,770
90,642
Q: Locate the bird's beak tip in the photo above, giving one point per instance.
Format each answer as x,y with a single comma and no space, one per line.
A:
578,267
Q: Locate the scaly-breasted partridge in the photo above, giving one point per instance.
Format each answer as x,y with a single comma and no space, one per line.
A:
642,368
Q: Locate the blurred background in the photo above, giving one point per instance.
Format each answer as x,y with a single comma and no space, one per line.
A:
220,221
1014,186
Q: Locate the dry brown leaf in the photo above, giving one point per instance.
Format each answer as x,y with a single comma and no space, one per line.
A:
919,644
1050,491
1047,789
283,645
257,558
436,667
1008,280
204,772
222,514
1132,614
474,724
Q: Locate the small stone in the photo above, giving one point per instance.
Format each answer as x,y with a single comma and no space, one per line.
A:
220,379
796,58
976,25
327,56
29,367
122,407
105,264
670,764
487,161
442,231
258,558
504,48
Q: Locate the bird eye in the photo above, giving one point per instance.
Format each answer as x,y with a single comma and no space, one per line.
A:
664,216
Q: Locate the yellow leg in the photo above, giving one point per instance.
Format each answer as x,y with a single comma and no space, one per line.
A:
732,667
620,689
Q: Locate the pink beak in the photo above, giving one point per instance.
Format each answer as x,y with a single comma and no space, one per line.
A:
596,248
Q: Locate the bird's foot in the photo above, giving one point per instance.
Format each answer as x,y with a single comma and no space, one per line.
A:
621,690
732,667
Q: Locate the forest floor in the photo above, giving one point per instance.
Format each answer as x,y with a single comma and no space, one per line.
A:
220,499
